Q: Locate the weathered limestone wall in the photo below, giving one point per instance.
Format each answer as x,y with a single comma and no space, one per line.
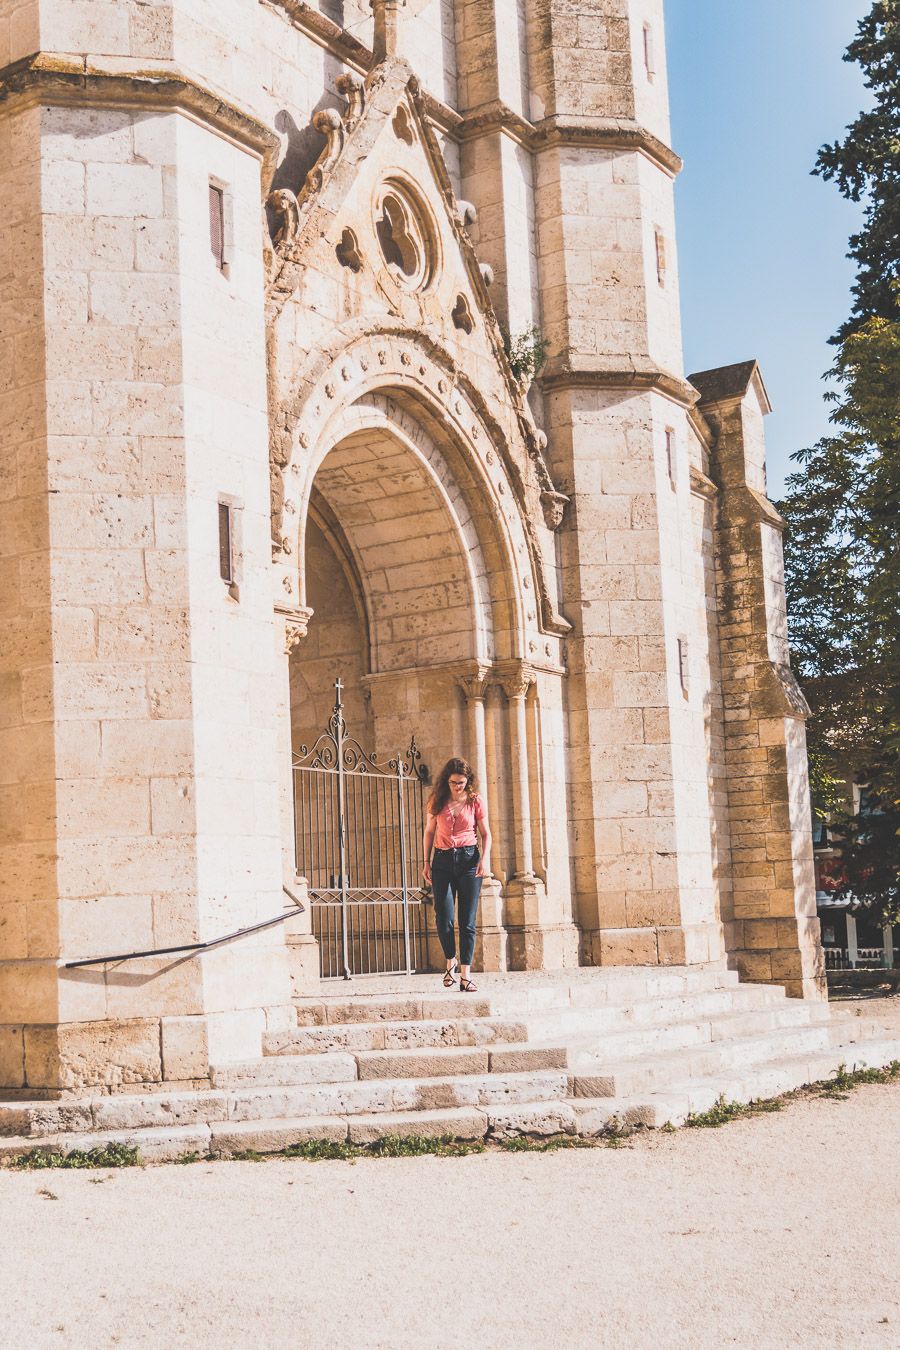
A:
772,928
615,400
157,709
29,766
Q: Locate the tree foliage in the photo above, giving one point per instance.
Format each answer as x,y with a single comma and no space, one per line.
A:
843,503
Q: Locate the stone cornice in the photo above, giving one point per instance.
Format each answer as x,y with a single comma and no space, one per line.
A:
604,374
47,78
587,132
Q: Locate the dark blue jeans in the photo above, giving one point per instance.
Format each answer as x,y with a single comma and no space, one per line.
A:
453,879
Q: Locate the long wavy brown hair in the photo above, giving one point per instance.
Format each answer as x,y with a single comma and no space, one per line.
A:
442,794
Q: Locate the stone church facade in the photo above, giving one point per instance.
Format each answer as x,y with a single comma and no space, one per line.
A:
257,262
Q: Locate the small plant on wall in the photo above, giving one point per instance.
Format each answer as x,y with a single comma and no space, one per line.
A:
526,352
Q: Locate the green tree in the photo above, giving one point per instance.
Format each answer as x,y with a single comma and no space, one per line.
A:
843,504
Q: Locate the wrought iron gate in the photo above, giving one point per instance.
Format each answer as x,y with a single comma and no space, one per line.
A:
358,836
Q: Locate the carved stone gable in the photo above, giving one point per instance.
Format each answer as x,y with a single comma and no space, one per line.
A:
374,240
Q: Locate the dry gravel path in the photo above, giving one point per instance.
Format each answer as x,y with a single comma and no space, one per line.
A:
781,1230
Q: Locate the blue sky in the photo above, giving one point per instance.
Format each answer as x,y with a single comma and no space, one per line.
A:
755,90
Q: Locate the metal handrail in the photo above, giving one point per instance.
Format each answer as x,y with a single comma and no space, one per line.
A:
194,946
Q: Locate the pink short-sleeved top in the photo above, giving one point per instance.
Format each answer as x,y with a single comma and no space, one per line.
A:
458,831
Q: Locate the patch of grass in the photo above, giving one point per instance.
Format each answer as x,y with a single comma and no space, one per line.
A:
842,1082
317,1150
109,1155
766,1106
717,1115
523,1143
190,1157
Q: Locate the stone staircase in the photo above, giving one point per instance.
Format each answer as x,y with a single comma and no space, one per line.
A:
543,1053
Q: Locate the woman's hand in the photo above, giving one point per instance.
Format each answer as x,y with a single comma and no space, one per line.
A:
483,869
426,873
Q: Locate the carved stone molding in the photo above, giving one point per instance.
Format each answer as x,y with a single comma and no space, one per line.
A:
50,78
515,678
554,505
296,626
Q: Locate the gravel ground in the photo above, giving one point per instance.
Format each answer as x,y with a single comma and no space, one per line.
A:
779,1230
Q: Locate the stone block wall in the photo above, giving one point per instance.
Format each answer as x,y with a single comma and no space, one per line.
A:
770,911
157,713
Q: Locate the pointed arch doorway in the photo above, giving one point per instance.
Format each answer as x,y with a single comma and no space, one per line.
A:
358,826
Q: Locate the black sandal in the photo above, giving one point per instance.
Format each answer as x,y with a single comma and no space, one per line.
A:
450,976
467,986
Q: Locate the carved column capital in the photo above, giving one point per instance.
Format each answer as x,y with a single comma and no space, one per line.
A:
296,626
473,680
515,678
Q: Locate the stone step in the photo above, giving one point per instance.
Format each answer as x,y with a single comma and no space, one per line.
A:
754,1083
287,1069
421,997
292,1070
610,987
37,1121
338,1010
378,1095
473,1107
432,1032
655,1039
159,1144
646,1073
555,1022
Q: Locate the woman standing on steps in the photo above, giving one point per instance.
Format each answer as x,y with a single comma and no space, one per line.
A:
455,816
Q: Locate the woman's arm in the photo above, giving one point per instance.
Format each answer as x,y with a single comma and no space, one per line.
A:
427,841
484,864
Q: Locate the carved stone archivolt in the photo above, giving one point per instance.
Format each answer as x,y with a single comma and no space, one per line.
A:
397,265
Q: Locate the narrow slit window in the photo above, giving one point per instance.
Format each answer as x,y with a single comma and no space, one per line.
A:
217,225
649,59
660,257
683,672
671,463
226,544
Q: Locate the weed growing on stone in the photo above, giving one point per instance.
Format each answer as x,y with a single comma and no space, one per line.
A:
843,1081
717,1115
186,1158
110,1155
522,1143
319,1150
416,1146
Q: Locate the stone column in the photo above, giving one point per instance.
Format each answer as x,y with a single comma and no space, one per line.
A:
491,948
303,949
515,684
772,930
540,935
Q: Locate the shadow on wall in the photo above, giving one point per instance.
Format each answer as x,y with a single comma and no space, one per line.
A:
304,145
